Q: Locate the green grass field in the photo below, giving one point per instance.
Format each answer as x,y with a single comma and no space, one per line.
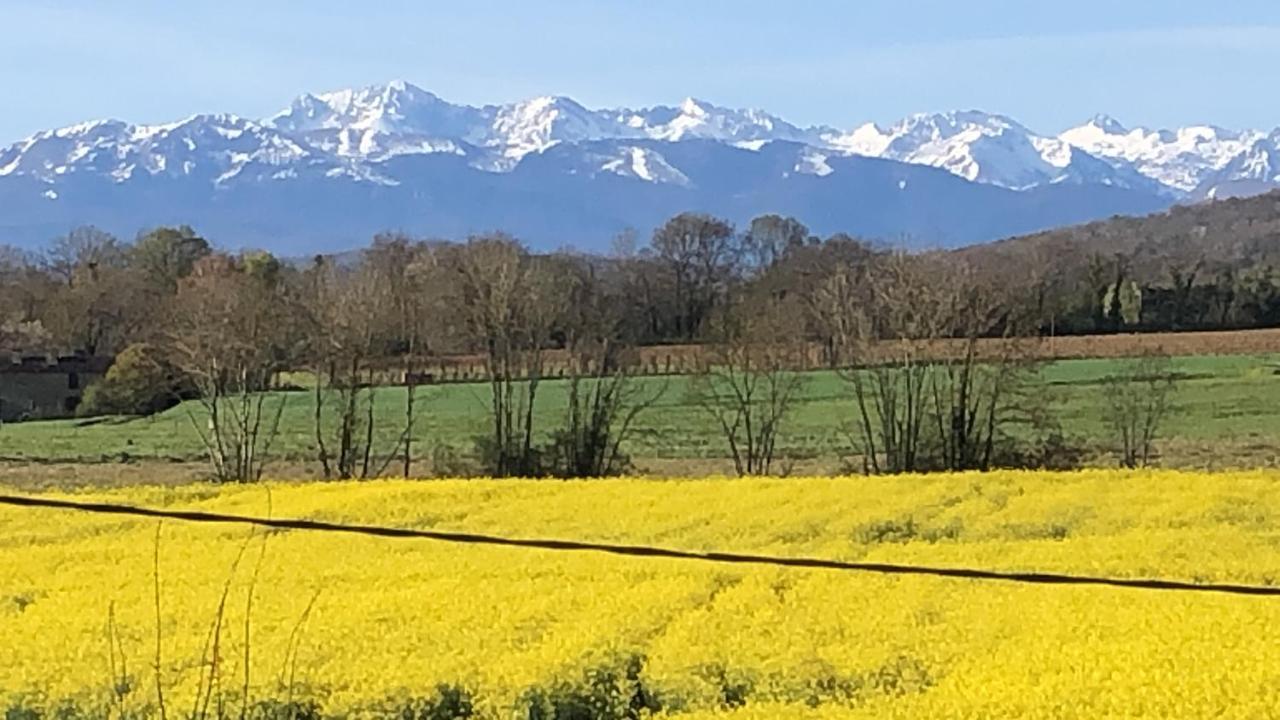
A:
1228,414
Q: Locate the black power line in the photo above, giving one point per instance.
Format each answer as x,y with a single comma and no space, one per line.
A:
638,550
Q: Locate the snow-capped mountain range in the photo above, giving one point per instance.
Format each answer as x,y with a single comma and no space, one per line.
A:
402,145
398,118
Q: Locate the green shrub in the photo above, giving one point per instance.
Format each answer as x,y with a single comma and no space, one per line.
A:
493,457
906,530
139,382
609,692
281,710
66,710
450,702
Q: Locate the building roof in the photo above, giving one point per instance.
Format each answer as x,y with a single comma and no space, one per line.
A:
30,364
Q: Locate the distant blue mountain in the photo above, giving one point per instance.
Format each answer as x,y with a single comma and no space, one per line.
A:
332,170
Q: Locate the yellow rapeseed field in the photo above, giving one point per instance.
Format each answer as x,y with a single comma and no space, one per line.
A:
399,625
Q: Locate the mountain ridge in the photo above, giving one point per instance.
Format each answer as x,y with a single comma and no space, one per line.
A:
388,145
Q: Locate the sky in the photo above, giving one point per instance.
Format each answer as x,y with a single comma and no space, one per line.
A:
1049,63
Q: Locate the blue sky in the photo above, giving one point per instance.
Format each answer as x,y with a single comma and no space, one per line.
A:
1048,63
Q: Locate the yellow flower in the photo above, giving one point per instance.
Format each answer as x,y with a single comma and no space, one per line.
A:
359,624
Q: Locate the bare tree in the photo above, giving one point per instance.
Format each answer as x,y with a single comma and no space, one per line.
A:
701,254
975,397
361,316
341,306
751,384
1139,399
907,332
509,303
771,238
881,321
83,251
98,304
26,296
225,337
649,295
603,394
603,399
22,292
401,268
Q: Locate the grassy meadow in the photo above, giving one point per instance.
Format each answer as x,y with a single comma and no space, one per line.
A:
1228,416
343,626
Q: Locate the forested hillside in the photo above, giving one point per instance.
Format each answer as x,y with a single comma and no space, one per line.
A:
1212,265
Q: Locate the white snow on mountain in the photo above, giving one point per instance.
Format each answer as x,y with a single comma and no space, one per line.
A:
356,132
695,118
379,122
1182,158
382,121
813,162
535,125
217,149
51,152
1260,162
644,164
977,146
1253,171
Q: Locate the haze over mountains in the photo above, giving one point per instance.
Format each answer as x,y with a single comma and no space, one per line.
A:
329,170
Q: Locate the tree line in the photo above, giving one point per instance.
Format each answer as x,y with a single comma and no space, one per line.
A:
1210,266
185,320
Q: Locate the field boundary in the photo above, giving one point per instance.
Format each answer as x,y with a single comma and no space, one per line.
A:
661,360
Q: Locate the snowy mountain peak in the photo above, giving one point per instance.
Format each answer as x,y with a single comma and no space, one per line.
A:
537,124
396,153
982,147
212,147
1182,159
84,128
1107,124
359,131
694,118
396,92
378,121
870,139
391,107
694,107
948,124
1253,171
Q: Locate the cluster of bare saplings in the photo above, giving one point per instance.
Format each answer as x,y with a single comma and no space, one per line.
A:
220,330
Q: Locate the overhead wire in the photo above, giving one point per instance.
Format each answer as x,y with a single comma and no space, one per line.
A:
641,551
